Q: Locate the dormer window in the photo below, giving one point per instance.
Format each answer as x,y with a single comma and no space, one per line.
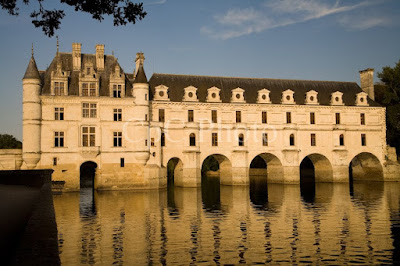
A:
161,93
213,95
59,82
88,71
117,83
59,88
237,96
287,97
117,90
311,97
89,89
190,94
263,96
336,98
361,99
88,82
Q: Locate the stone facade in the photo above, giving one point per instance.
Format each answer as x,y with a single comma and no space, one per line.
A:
85,108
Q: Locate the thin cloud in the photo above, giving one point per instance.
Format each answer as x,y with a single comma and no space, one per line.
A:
161,2
274,14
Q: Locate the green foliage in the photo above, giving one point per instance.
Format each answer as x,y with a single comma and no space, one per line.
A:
9,142
389,96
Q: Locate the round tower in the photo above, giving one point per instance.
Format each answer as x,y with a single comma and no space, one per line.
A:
140,91
31,115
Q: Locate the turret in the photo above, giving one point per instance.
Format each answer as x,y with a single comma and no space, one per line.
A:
140,92
31,115
367,82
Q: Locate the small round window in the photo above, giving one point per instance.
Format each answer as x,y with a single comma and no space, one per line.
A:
213,95
237,96
263,97
190,94
336,99
362,99
311,98
288,97
161,93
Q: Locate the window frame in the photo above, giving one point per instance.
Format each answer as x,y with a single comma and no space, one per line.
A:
214,139
59,113
288,117
59,139
117,139
264,117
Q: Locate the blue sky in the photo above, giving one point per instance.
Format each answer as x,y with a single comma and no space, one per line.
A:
291,39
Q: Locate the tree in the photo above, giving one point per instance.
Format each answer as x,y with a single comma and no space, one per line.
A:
123,11
9,142
389,96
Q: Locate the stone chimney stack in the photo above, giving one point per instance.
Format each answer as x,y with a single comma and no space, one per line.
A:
76,56
367,82
100,57
139,61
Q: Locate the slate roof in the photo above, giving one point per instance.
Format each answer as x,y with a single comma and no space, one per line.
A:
177,83
66,65
141,76
32,71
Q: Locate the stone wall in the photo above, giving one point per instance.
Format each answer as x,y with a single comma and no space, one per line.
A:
10,159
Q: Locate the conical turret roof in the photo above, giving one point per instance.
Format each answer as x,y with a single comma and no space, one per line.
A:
140,76
32,71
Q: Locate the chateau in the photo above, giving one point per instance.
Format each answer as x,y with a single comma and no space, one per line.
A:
84,111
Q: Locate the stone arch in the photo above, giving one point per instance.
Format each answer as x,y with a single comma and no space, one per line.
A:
365,166
174,171
322,168
268,166
224,170
87,174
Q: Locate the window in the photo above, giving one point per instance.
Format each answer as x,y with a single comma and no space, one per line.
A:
162,139
265,139
238,117
313,140
264,117
59,113
312,118
362,118
145,142
117,114
241,140
88,136
363,140
190,116
58,139
122,162
54,161
341,140
59,88
89,89
161,115
117,139
291,140
192,139
85,89
89,110
145,117
117,90
288,117
152,144
92,89
145,97
337,118
214,116
214,139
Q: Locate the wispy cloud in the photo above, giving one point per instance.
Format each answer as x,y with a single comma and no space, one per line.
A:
160,2
273,14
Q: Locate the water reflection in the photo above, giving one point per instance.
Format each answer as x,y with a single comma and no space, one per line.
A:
269,223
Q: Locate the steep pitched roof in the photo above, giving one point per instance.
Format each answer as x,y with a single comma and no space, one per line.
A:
32,71
141,76
177,83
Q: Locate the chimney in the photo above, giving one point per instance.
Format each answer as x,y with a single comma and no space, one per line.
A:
100,57
76,56
139,61
367,82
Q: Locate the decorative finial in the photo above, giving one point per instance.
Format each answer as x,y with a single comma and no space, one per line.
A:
112,52
32,50
58,45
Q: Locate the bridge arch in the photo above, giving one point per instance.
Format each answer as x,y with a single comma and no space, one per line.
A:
317,167
365,166
87,174
174,171
223,169
267,165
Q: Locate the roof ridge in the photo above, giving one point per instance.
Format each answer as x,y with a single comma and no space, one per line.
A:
206,76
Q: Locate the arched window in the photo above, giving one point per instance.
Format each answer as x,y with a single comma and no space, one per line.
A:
341,140
241,140
291,140
192,139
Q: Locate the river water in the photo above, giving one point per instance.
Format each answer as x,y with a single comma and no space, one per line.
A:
355,223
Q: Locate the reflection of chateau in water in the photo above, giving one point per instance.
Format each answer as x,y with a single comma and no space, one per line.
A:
244,226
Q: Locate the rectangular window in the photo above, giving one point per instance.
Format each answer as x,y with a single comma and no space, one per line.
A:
88,136
312,118
214,139
117,91
190,116
117,114
85,89
92,89
54,161
59,113
161,115
313,140
122,162
117,139
264,117
89,110
58,139
363,140
362,118
265,139
288,117
238,117
145,142
214,116
59,88
162,139
152,142
337,115
145,117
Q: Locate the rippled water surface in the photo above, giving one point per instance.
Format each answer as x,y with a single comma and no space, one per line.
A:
260,223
